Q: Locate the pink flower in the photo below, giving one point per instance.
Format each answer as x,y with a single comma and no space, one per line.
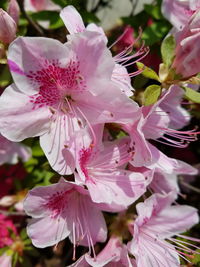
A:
179,12
155,123
186,60
35,5
60,93
10,151
6,228
157,222
102,169
8,27
65,209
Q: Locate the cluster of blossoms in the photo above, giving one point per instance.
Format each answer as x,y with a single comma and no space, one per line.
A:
70,95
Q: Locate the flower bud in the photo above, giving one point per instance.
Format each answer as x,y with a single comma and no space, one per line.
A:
8,27
14,10
187,51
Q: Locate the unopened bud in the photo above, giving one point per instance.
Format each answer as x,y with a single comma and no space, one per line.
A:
8,27
14,10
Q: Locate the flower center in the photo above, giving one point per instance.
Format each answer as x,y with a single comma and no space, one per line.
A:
56,83
58,202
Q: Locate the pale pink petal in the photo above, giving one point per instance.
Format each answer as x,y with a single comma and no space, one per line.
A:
121,78
142,153
118,189
176,12
109,256
164,183
104,107
57,145
151,252
45,232
179,117
19,119
162,162
96,62
72,20
89,224
28,55
94,28
6,260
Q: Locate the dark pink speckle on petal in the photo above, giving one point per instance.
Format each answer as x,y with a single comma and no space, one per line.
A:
56,83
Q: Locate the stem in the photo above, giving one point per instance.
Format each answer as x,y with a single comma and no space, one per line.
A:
32,23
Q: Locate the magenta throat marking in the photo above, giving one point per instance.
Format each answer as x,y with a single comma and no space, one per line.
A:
56,83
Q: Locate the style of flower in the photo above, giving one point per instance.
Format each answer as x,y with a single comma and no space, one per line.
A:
157,222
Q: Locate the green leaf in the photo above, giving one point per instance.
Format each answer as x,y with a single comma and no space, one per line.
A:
147,72
155,32
151,94
154,11
192,95
196,259
5,77
37,151
52,16
61,3
168,50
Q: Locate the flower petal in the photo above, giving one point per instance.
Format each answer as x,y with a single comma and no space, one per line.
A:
27,55
72,20
18,118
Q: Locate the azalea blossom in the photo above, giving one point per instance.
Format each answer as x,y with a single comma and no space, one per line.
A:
157,122
60,93
66,210
157,222
102,169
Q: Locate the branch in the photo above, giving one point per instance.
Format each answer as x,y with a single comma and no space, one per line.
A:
32,23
